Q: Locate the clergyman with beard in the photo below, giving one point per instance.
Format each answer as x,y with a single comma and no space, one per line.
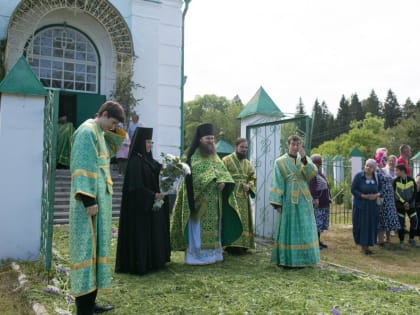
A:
245,186
204,198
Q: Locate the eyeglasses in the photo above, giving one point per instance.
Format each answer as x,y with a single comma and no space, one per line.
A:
369,181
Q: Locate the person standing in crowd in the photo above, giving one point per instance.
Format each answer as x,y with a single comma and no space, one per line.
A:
405,154
64,134
366,189
143,238
389,169
405,197
388,218
320,192
94,142
296,240
245,186
122,155
133,124
204,198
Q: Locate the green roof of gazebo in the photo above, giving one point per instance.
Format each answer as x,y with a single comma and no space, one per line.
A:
223,147
22,80
416,156
356,152
260,103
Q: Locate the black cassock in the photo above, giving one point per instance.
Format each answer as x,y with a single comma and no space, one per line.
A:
143,237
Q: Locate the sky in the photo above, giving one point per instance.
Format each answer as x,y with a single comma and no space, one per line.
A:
313,49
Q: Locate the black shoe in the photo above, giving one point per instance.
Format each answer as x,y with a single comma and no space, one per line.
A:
322,245
97,309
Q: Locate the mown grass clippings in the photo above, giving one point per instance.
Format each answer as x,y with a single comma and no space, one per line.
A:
247,284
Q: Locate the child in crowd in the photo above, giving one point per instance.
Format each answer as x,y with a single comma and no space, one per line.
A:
405,195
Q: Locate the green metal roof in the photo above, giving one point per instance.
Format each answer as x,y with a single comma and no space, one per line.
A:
22,80
416,157
223,147
356,152
262,104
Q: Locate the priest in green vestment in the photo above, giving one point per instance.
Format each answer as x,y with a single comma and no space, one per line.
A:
94,142
245,187
296,240
205,216
64,133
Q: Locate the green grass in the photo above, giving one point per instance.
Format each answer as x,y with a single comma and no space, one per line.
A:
250,284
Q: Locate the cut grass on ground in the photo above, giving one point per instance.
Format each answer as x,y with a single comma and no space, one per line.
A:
250,284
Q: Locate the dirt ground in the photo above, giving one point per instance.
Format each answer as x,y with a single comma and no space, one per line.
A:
391,261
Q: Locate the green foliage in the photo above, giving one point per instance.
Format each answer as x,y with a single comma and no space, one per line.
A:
124,88
213,109
405,131
367,135
392,110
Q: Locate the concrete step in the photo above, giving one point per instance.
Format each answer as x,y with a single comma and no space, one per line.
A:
62,195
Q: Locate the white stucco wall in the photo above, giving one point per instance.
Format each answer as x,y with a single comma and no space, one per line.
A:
21,140
156,31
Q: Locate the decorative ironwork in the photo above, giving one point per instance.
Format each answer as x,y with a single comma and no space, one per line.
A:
48,176
63,58
30,12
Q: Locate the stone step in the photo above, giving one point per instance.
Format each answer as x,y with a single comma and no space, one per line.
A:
62,195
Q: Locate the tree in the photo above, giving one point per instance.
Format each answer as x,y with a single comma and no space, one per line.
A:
342,122
372,105
322,125
366,135
392,110
409,108
406,131
300,112
218,110
355,108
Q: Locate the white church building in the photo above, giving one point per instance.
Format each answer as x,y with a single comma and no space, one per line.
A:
79,49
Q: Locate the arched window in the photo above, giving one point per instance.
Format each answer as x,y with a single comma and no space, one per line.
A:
63,58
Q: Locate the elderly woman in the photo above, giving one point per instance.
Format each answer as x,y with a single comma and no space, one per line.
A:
388,218
320,192
365,189
389,168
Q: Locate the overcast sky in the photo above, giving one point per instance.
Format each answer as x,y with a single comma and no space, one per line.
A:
303,48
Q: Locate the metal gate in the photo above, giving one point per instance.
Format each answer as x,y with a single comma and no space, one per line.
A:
48,176
267,141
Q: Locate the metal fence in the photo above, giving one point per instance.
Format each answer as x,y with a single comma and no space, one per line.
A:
48,176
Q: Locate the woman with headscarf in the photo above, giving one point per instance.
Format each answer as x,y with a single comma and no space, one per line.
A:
143,238
388,218
366,189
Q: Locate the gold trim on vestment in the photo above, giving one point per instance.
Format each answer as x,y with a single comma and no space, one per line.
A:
84,173
297,246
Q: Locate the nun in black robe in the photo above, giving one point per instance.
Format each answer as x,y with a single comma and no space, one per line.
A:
143,237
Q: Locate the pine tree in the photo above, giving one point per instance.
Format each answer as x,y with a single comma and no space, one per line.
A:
373,105
342,122
409,108
323,124
355,108
300,112
392,110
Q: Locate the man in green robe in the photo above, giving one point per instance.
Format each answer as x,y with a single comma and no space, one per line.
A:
205,215
64,133
245,186
94,142
296,240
